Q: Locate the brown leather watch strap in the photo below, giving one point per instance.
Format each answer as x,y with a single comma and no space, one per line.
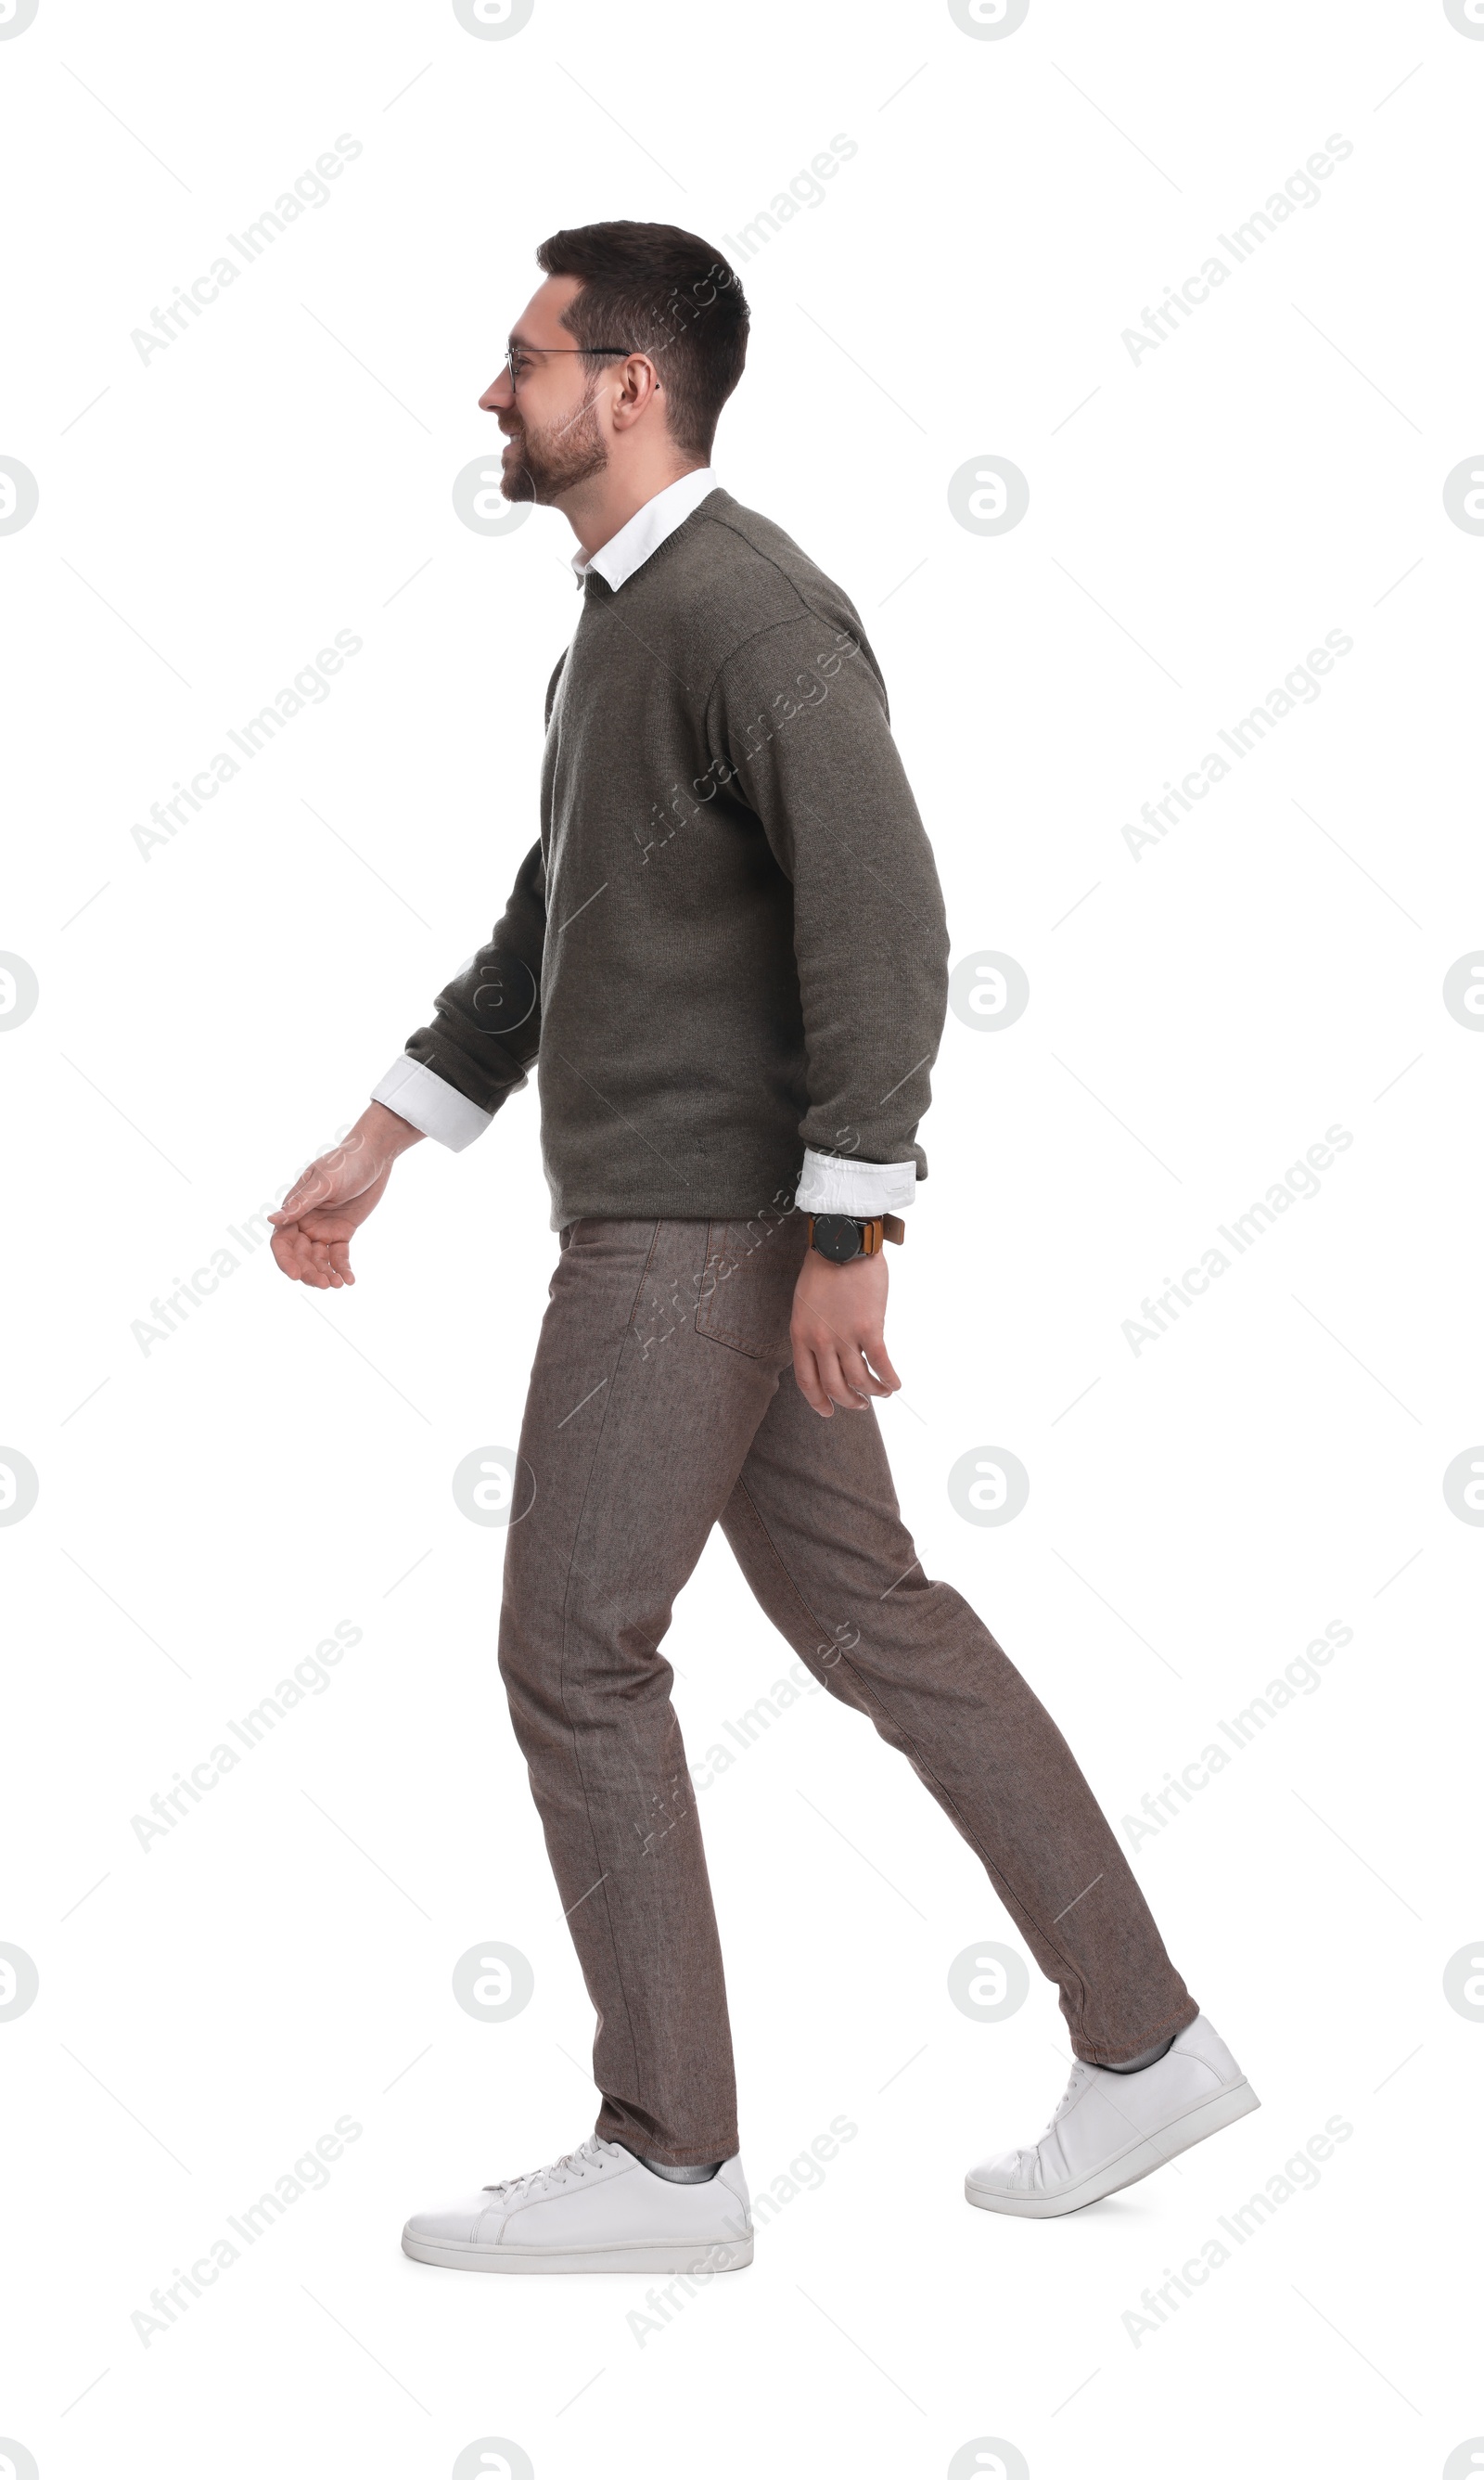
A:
875,1230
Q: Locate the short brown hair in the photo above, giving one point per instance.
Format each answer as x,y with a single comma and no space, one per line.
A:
662,291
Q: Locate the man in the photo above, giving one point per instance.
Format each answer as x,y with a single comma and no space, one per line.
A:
726,958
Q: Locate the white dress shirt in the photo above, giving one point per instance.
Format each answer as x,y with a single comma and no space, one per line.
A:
829,1183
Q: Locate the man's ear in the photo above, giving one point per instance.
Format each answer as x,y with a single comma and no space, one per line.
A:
627,402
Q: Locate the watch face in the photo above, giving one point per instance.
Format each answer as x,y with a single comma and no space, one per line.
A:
837,1236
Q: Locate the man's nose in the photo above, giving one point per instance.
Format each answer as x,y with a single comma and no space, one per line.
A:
500,395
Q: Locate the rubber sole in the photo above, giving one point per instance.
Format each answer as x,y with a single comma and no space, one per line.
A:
1148,2152
725,2256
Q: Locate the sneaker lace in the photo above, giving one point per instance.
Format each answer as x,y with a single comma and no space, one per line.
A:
1077,2080
577,2165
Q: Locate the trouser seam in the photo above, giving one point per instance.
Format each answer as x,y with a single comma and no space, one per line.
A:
994,1873
561,1672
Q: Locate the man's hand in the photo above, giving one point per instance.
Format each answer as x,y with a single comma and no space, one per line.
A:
836,1329
333,1197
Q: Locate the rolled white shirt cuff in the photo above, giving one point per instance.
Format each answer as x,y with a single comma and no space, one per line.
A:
839,1184
429,1102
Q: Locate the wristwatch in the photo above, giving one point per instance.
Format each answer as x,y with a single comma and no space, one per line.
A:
840,1237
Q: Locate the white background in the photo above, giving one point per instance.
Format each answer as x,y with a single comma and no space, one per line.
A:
209,1017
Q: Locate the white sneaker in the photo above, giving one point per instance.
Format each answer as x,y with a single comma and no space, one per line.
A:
1108,2129
596,2211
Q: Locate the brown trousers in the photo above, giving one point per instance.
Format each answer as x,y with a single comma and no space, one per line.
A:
662,1399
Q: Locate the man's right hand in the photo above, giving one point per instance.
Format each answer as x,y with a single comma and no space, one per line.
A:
333,1197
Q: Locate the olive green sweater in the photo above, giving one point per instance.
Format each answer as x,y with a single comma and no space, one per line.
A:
727,943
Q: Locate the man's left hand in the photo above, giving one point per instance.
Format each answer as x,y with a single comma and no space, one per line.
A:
836,1329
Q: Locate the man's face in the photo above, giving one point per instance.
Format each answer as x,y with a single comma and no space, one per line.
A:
553,435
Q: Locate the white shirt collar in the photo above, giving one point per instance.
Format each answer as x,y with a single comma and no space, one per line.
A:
646,528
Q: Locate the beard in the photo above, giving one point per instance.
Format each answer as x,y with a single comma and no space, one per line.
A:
547,462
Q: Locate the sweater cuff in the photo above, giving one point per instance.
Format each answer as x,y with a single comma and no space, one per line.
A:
841,1184
430,1103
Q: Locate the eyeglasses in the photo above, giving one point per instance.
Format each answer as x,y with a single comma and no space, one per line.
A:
519,357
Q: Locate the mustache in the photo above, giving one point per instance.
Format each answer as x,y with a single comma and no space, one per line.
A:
562,429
